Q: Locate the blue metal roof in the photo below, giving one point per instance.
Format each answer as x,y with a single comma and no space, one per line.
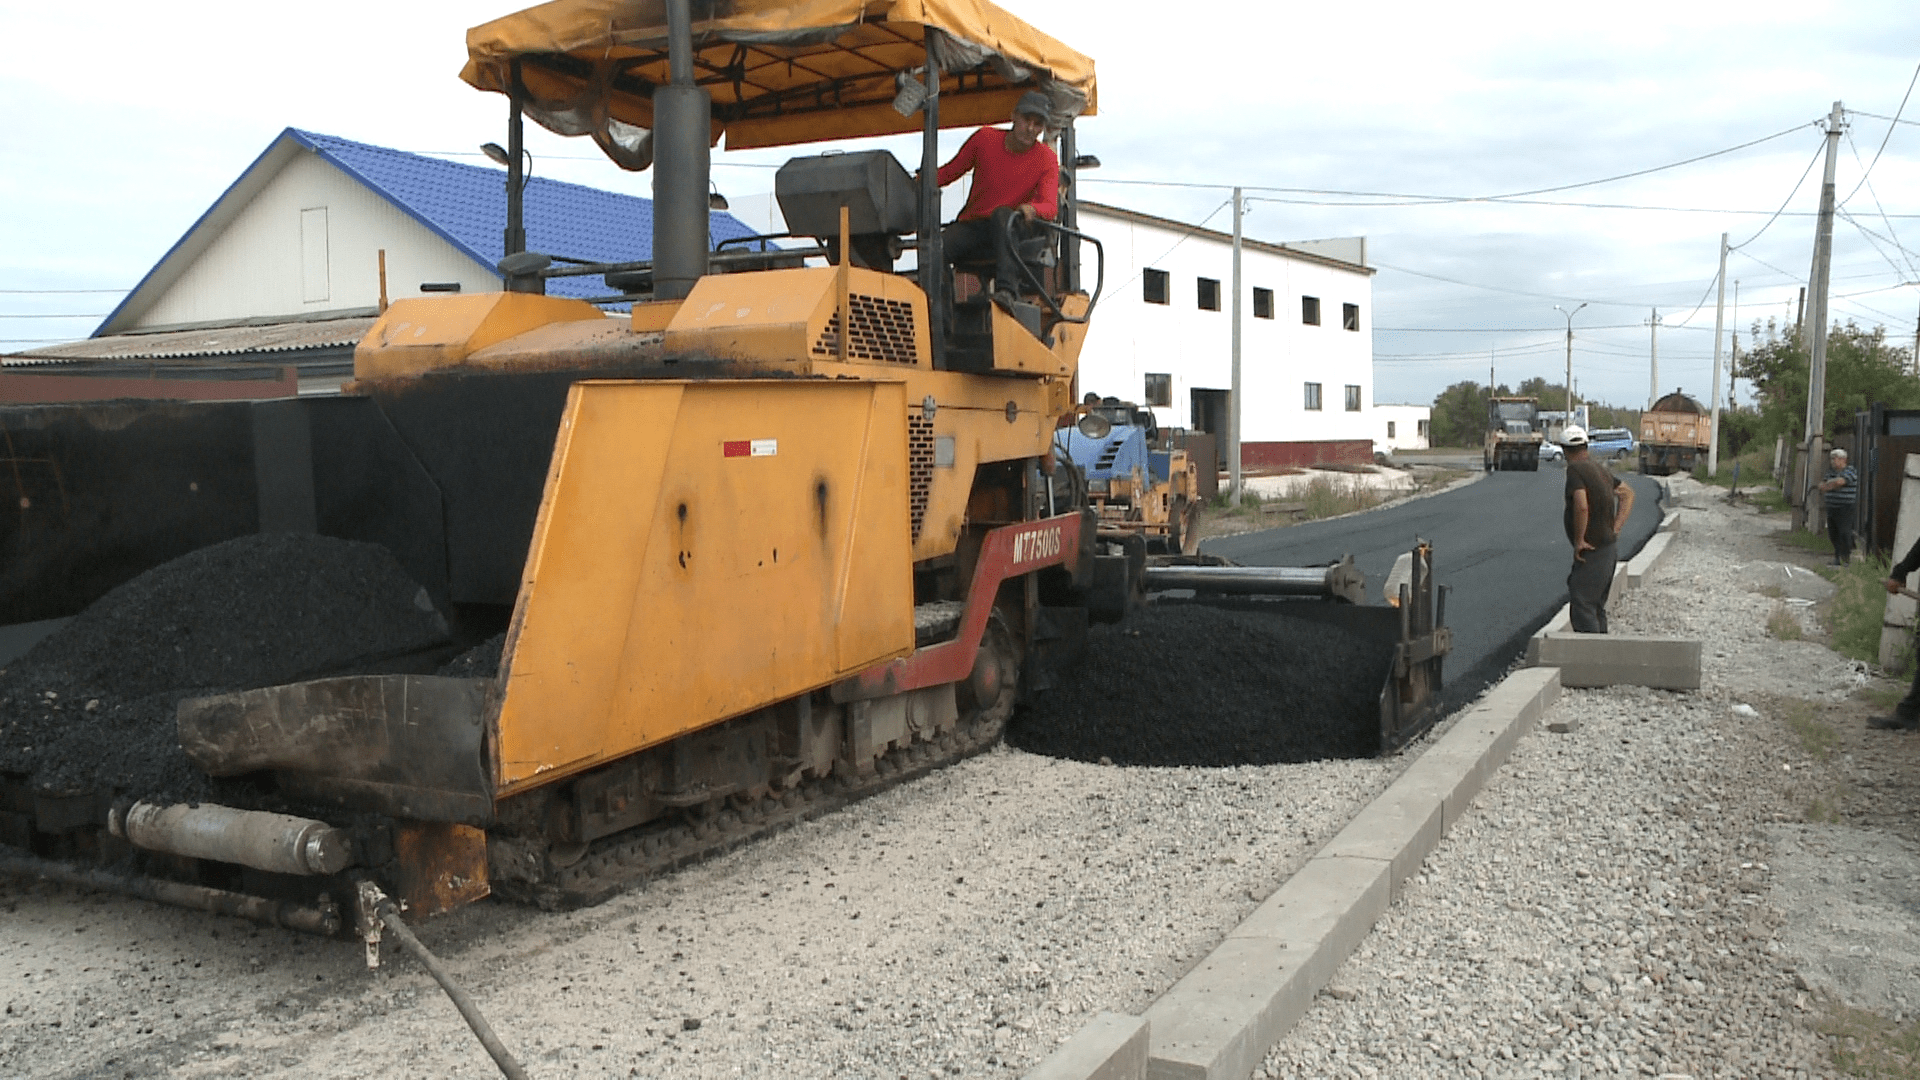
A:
467,206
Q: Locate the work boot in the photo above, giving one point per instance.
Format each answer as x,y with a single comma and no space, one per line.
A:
1896,722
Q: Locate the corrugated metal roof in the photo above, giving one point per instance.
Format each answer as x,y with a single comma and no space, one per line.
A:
283,337
467,204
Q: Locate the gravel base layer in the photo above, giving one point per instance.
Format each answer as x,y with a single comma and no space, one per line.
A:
1189,684
1609,905
92,706
960,925
1612,896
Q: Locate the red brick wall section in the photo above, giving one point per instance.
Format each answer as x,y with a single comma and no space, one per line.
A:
1269,455
21,388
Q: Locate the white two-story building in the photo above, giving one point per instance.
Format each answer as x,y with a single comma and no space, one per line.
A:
1162,336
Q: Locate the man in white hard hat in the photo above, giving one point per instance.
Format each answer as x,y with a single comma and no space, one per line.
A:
1597,507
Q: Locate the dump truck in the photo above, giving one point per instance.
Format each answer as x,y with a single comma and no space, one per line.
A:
1513,435
1135,480
1674,435
771,538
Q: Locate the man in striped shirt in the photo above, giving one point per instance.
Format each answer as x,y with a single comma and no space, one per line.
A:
1842,488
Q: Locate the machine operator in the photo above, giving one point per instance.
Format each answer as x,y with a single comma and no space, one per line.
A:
1015,176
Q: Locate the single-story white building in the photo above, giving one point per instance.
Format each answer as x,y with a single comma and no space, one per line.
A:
1402,427
1162,335
289,265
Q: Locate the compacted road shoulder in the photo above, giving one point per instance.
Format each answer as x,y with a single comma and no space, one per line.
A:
1498,543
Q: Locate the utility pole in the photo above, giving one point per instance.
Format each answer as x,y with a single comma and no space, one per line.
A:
1817,283
1915,358
1733,350
1569,315
1719,324
1653,360
1233,416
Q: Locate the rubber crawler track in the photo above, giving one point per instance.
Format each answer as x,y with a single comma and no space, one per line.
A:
626,860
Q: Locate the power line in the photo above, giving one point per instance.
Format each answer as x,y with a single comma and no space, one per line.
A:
50,292
1499,288
102,315
1884,138
1421,199
1189,234
1507,329
1808,171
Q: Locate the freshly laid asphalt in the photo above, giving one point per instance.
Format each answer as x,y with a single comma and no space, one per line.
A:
1497,543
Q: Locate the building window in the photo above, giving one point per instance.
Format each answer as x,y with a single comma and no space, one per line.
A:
1389,429
1153,284
1420,426
1209,294
1353,399
1159,389
1262,303
1350,316
1313,397
1310,310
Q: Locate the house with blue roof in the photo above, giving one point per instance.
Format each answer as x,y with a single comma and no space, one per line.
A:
298,236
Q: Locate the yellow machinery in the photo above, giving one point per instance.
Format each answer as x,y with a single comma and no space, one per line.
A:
797,533
777,536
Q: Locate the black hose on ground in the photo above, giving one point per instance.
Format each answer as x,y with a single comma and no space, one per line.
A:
390,917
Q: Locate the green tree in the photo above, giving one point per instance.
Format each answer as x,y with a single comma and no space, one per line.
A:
1862,369
1460,414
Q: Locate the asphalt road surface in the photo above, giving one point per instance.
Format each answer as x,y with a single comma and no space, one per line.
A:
1499,544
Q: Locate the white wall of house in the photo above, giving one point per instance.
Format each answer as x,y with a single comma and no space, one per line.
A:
1402,427
309,241
1131,338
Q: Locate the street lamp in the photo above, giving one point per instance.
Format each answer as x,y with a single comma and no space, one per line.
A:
1569,315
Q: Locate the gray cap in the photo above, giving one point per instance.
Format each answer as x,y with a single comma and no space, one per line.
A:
1037,103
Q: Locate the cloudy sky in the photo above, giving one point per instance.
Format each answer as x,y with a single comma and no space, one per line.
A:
126,120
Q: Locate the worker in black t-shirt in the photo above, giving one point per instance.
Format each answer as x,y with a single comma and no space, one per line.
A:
1597,507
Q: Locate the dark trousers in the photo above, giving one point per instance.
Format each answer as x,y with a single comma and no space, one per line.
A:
1840,531
1909,707
1587,589
981,238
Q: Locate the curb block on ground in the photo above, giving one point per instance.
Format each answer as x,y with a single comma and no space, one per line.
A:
1622,660
1649,558
1218,1021
1113,1046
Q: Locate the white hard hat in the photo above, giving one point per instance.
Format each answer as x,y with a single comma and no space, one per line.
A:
1574,435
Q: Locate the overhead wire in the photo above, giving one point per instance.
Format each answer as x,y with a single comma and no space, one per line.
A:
1883,139
1784,203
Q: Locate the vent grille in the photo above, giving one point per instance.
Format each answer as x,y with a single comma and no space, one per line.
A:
882,330
919,468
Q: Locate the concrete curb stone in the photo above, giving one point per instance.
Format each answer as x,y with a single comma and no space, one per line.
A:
1218,1021
1113,1046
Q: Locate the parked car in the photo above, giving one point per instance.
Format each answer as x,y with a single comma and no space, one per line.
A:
1610,443
1552,452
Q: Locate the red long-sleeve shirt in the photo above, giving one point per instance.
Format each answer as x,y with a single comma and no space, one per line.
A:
1002,178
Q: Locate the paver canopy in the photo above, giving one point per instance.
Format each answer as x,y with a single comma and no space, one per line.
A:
780,71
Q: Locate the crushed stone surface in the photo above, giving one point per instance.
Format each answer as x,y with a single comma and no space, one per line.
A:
1642,895
959,925
1189,684
92,706
1610,905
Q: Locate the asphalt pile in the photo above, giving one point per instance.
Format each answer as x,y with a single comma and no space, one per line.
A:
1189,684
92,707
480,662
